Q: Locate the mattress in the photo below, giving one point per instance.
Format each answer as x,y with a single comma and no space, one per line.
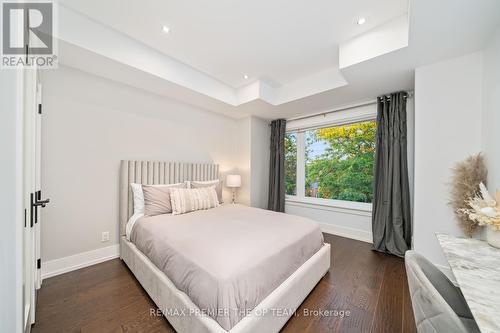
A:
227,259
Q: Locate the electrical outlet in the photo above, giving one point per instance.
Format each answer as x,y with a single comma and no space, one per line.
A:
105,236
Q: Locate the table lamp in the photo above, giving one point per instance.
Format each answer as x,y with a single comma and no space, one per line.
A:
233,181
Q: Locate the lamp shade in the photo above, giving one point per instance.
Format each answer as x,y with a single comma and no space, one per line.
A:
233,181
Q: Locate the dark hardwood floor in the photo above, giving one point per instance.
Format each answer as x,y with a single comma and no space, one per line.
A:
369,287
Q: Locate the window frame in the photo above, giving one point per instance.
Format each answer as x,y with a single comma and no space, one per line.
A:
337,119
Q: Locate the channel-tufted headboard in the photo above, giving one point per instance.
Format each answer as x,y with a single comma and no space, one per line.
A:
150,172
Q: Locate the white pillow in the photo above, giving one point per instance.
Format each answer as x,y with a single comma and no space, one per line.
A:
188,200
138,198
138,195
206,183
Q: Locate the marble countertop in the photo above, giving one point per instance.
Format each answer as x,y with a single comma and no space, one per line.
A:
476,266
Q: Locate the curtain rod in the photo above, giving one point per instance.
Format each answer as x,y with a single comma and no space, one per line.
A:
410,95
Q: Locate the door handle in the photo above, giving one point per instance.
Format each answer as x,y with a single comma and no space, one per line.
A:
38,201
42,203
35,203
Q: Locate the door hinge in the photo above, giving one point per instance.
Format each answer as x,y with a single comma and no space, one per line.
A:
25,216
40,108
38,263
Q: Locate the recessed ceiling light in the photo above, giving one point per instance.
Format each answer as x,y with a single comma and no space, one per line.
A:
165,29
361,21
245,77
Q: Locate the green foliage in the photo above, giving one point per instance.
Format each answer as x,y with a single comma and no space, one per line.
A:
291,163
345,170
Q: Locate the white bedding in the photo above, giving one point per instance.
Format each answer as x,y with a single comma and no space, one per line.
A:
131,222
227,259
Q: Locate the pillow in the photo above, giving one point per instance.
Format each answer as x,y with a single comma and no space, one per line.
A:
138,198
188,200
138,194
157,199
217,183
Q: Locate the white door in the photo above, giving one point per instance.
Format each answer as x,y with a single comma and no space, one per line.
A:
33,200
29,180
40,202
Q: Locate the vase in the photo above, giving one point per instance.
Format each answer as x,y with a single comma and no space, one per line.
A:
493,237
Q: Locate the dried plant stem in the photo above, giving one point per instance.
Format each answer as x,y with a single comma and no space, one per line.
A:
467,175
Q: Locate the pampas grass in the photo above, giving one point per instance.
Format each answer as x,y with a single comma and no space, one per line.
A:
467,175
484,209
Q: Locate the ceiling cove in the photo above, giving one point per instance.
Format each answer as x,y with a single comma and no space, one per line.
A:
269,59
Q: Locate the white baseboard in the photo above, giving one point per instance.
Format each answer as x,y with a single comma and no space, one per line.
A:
361,235
67,264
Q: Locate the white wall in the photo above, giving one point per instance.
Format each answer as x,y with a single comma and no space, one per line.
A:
337,221
89,125
260,138
491,111
252,154
448,102
242,140
11,205
252,158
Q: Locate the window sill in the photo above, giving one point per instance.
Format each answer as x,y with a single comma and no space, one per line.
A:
359,208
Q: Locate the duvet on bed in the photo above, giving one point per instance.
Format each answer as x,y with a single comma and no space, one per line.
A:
227,259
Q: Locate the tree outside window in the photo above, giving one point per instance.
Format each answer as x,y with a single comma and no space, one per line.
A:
291,163
339,162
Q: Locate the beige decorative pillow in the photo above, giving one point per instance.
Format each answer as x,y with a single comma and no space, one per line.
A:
217,183
157,198
188,200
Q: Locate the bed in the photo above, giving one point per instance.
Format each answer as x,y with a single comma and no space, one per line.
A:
228,269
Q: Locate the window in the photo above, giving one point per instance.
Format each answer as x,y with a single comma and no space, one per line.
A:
337,162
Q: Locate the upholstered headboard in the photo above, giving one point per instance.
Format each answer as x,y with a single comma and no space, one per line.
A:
150,172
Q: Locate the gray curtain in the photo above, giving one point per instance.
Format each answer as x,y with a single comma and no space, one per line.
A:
276,200
391,217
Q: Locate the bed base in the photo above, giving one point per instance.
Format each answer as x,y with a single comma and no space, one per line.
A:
268,316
